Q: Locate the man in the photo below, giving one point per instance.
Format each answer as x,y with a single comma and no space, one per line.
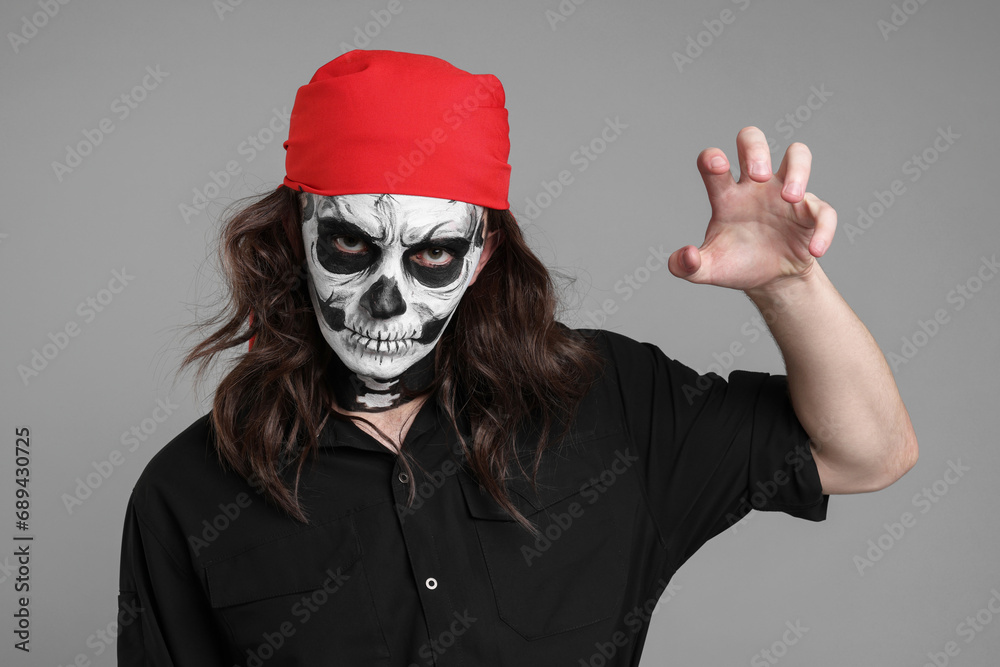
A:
415,464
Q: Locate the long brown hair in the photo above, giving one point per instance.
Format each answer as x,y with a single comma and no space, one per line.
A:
503,361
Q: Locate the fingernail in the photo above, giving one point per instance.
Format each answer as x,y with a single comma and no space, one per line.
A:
758,169
718,162
794,189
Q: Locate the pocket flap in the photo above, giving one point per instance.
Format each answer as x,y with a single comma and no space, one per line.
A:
563,472
298,562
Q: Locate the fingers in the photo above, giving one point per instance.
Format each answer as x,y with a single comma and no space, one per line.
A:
826,224
687,263
714,168
754,155
794,172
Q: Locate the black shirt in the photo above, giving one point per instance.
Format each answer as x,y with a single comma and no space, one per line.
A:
659,461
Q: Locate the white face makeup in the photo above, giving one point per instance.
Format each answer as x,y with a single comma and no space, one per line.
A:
387,273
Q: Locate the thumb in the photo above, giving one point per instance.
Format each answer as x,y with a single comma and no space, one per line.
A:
687,263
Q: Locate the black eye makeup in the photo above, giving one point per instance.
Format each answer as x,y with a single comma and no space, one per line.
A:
437,263
343,247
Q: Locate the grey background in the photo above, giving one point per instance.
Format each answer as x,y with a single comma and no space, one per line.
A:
228,72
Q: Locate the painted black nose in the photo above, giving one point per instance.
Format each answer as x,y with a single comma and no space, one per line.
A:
383,299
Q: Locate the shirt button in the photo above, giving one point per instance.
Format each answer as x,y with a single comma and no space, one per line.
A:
403,477
431,583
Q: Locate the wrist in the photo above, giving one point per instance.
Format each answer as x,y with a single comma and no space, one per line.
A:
786,291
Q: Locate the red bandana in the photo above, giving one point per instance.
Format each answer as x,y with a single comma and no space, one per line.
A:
373,122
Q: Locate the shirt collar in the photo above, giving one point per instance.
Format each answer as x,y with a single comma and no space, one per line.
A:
342,433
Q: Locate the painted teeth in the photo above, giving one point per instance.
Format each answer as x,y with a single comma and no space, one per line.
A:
382,346
385,335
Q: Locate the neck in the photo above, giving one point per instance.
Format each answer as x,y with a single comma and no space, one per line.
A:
360,393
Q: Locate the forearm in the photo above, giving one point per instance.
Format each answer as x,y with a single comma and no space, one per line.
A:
840,385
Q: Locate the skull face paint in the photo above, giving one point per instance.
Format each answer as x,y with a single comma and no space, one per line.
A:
386,274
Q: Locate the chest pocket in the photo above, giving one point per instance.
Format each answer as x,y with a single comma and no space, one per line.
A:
575,572
298,594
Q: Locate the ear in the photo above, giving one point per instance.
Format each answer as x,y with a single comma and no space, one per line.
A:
488,247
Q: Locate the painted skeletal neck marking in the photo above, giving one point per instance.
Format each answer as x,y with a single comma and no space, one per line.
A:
363,393
386,274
